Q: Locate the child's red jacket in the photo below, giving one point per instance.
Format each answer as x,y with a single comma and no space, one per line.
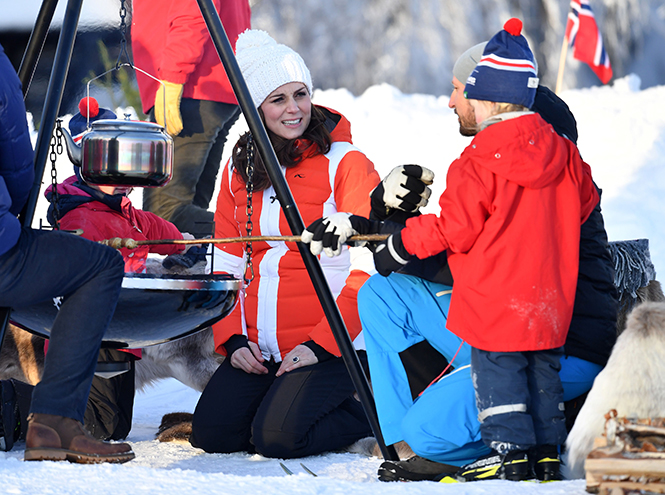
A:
99,221
510,222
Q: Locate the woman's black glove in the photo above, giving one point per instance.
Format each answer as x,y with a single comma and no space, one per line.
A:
328,234
391,255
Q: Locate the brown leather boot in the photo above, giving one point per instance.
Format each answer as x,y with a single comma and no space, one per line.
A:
57,438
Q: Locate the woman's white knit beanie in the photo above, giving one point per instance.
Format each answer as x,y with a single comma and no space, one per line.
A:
267,65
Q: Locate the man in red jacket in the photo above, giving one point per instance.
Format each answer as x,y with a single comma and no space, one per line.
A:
195,100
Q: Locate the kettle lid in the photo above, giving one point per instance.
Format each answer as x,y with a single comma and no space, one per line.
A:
125,125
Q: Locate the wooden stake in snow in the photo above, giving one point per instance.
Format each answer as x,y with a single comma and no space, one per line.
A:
562,64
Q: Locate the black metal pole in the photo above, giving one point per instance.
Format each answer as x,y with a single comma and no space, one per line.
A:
35,44
294,219
56,88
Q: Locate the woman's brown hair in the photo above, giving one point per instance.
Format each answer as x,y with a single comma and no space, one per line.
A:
289,151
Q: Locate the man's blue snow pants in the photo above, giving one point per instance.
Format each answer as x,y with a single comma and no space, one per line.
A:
400,311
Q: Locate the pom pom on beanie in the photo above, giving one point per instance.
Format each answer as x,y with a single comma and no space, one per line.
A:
513,26
89,104
79,122
266,65
507,71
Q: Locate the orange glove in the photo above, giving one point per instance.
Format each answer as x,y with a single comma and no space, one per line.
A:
172,99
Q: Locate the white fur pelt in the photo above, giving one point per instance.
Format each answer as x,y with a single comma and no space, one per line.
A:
190,360
632,383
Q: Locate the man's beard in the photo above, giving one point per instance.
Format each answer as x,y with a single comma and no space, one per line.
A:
468,131
466,127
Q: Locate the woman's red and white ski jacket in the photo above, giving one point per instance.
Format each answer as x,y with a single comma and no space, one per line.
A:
280,310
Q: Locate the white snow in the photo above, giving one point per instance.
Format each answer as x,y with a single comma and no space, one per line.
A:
94,14
168,468
622,137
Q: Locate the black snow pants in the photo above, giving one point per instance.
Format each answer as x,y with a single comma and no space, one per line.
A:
304,412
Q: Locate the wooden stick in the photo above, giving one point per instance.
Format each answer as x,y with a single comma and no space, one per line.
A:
117,242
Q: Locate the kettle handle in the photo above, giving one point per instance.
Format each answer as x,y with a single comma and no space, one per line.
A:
73,149
131,66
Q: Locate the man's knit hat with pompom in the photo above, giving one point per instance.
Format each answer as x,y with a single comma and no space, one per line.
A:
507,71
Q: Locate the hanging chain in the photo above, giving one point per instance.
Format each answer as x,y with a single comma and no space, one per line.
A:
249,210
56,149
123,32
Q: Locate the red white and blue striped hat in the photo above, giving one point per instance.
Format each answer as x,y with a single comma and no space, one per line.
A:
507,71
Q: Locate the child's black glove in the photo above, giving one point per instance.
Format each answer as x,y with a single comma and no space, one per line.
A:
187,259
391,255
328,234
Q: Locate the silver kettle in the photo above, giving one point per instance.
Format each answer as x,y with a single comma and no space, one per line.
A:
123,153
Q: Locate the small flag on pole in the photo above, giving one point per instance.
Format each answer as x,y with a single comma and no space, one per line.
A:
584,36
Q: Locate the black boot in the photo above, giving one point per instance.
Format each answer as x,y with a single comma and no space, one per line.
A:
512,466
546,462
414,469
9,421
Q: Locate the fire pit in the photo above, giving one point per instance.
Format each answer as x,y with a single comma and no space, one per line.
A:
152,309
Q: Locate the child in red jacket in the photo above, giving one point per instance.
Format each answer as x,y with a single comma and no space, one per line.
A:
510,226
510,222
104,212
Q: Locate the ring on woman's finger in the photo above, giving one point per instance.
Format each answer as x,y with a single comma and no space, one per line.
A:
296,359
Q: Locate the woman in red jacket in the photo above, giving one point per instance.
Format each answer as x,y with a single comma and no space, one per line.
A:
284,391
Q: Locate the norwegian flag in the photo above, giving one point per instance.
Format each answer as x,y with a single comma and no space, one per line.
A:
585,38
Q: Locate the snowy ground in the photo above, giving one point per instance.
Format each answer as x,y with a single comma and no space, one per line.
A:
169,468
622,137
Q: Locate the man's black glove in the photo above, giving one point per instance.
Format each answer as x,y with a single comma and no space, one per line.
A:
391,255
404,188
328,234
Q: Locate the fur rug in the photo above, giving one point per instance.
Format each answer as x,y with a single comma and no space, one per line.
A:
370,447
175,427
632,383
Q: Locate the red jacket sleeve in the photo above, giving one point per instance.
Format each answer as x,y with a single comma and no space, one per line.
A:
226,224
80,218
184,43
464,205
589,194
155,227
354,181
